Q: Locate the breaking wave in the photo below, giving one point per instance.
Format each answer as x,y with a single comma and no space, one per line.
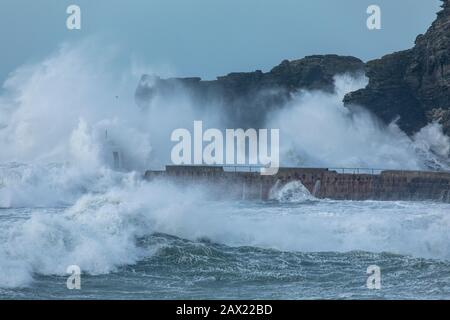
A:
77,107
291,192
104,231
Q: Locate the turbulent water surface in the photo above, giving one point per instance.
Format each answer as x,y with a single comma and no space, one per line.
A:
138,240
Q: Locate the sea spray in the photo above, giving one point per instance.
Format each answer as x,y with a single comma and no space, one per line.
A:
71,106
291,192
59,118
317,130
104,231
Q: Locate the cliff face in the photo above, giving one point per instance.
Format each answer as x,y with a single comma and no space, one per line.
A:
412,85
247,97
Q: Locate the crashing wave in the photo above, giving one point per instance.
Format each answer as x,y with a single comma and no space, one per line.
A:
293,191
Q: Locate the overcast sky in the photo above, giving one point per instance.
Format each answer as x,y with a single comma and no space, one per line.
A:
208,38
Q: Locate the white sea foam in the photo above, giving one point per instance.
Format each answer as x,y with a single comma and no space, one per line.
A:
293,191
100,231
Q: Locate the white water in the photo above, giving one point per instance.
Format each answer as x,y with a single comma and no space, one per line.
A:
293,192
318,131
98,232
54,118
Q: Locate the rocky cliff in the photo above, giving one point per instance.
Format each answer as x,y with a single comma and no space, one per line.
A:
249,96
412,85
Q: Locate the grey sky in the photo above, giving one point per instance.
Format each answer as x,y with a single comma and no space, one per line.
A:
208,38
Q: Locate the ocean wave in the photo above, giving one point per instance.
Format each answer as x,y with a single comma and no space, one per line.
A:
103,231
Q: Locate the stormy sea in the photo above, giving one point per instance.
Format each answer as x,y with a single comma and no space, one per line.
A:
62,202
140,240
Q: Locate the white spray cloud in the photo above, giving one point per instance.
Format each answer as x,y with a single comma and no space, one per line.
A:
318,130
70,108
76,104
64,116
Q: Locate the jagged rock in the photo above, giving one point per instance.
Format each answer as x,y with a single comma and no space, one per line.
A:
441,116
412,85
249,96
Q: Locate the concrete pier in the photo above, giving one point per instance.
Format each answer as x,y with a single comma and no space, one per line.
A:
354,184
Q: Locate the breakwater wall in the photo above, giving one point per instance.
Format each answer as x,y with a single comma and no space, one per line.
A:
322,183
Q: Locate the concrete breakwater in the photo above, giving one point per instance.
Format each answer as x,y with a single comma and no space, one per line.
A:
355,184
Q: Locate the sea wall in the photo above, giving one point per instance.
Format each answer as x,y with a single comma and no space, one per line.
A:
322,183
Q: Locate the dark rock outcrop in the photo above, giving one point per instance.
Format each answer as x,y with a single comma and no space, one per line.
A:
412,85
247,97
